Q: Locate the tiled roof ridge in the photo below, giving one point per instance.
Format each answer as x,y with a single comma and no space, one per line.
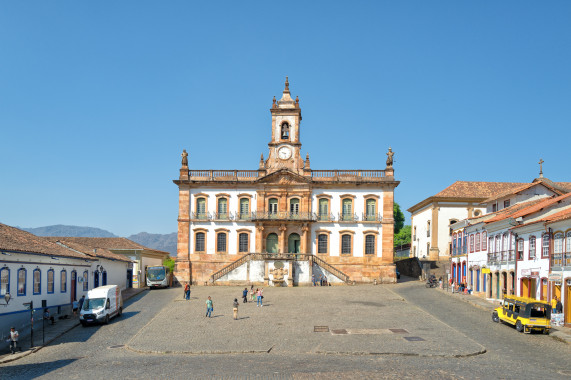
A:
486,189
549,219
511,210
104,242
540,205
99,252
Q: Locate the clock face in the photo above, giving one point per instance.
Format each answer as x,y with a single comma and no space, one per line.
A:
284,153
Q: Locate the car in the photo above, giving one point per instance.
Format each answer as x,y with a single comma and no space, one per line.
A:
526,314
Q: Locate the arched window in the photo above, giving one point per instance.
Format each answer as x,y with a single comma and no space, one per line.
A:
477,248
4,281
201,208
273,205
294,206
285,131
322,243
37,281
371,210
545,246
347,207
222,208
558,243
200,242
244,208
63,281
50,281
532,249
346,244
85,281
221,245
323,209
568,242
22,281
243,242
370,245
272,243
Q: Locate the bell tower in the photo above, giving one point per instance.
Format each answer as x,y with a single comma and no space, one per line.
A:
285,145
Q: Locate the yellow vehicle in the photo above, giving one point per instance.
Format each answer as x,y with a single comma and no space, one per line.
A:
526,314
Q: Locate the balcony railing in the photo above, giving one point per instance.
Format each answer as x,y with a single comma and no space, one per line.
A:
348,217
325,217
503,257
372,217
284,215
561,259
347,175
223,175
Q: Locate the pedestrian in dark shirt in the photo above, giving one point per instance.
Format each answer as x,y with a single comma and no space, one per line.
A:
245,295
81,302
559,307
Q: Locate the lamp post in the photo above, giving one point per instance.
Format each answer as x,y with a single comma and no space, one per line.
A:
7,298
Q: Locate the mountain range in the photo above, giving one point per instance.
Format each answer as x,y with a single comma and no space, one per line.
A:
161,242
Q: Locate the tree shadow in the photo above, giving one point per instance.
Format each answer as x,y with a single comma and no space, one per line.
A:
30,371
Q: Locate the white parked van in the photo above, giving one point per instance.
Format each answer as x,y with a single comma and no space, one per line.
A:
101,304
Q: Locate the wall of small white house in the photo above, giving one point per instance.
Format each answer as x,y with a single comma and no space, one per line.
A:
40,279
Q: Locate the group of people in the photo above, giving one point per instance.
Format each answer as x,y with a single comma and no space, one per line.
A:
556,305
254,294
321,280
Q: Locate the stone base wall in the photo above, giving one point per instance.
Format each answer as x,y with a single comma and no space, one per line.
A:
359,269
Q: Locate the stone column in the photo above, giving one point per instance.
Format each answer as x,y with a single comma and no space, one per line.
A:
266,273
259,238
434,251
303,244
290,273
182,271
282,241
387,224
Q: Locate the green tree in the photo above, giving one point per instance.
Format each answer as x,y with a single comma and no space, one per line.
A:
398,217
403,236
169,263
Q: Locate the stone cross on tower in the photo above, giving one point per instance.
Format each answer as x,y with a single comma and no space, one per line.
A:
541,167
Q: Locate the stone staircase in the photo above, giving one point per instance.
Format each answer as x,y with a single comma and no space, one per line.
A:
277,256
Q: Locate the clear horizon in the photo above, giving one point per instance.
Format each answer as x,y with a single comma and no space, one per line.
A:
98,100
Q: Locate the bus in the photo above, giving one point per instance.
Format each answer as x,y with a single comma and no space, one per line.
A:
158,277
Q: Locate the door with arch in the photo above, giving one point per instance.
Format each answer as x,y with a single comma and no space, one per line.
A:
293,243
95,280
104,278
272,243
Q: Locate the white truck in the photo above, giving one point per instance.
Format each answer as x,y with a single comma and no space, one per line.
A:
101,304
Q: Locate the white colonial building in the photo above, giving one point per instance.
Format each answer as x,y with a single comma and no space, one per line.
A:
285,222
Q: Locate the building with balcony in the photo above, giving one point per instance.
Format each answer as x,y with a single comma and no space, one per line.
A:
322,220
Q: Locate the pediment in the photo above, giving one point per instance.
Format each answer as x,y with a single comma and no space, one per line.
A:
284,177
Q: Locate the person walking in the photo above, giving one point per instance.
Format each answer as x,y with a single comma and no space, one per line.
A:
313,279
559,307
14,340
75,307
259,293
81,300
236,304
245,295
187,291
209,307
554,304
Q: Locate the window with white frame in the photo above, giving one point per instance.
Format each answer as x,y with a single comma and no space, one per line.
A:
558,243
50,281
85,281
63,281
22,281
545,245
471,243
532,247
4,281
568,242
520,249
477,248
484,240
37,281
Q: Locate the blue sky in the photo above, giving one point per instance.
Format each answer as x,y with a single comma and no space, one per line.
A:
98,99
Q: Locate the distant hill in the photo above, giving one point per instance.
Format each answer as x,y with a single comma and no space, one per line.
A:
75,231
166,242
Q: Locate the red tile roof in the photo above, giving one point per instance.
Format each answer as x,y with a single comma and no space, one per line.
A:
16,240
510,211
115,244
544,182
93,252
541,205
558,216
473,189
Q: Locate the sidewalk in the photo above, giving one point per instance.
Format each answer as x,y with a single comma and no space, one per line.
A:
559,332
53,332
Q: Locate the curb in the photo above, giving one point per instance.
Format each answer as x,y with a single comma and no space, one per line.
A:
9,359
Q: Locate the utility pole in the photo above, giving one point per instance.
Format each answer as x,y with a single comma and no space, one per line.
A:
31,307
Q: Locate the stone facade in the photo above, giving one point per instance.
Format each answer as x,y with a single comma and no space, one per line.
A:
344,217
